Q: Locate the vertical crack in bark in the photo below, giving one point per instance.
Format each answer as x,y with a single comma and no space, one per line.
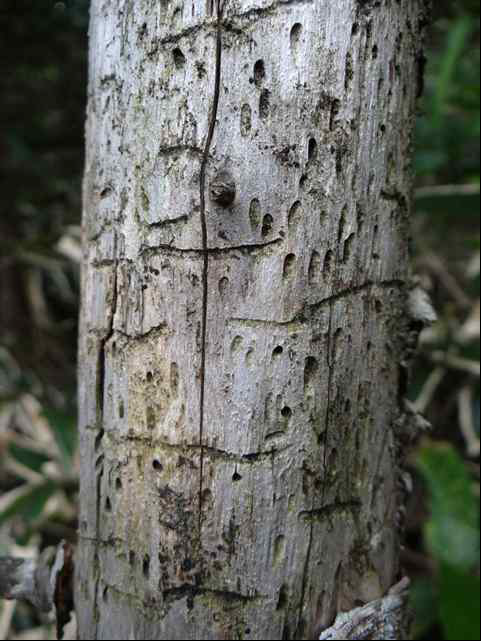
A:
100,474
101,369
99,456
300,633
205,247
330,366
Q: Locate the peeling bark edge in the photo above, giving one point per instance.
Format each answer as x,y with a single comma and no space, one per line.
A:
46,582
386,618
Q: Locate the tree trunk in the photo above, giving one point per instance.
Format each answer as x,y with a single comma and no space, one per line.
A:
240,377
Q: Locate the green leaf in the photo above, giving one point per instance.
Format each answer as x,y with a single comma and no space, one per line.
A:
452,532
456,43
63,427
459,601
30,503
425,605
449,205
33,460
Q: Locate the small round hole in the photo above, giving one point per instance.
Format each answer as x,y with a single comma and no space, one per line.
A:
286,412
259,72
157,465
279,350
146,566
312,151
267,225
179,58
236,477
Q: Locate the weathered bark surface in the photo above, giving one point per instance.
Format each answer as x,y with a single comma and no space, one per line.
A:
268,505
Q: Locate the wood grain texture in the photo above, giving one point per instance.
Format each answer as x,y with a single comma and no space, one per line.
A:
297,463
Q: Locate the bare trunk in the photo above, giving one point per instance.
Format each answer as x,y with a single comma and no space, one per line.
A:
240,361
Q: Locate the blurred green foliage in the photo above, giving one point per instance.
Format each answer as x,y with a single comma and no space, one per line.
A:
445,561
43,63
448,134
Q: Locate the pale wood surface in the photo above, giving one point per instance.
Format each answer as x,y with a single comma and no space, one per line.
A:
295,516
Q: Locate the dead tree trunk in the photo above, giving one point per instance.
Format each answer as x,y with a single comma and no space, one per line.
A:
245,277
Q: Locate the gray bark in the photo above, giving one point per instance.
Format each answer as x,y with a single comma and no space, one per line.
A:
240,377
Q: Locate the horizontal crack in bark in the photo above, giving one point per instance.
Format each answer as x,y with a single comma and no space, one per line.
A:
329,510
300,320
168,221
213,452
213,251
211,23
175,594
